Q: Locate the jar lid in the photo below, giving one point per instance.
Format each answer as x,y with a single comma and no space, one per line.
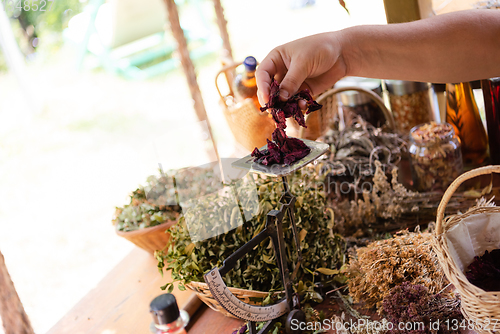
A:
354,98
400,87
164,309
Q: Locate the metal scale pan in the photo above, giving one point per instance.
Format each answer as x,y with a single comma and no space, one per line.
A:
276,170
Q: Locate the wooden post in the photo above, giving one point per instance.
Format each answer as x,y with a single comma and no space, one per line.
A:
227,54
222,23
398,11
187,64
14,318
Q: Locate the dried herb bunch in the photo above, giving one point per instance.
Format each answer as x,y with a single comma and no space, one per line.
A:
158,199
350,163
389,206
322,250
411,303
380,208
361,179
146,211
384,264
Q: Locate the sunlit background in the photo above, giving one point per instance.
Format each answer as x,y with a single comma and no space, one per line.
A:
78,120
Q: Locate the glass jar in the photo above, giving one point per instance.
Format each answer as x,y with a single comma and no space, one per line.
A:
410,103
355,103
435,156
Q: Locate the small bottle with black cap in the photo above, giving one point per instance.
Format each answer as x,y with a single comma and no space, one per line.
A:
166,315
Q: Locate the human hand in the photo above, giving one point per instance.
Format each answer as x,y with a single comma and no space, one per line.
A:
313,63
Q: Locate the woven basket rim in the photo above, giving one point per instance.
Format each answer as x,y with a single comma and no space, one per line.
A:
162,226
453,220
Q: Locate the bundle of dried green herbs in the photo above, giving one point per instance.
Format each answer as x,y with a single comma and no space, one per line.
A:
323,251
384,264
157,201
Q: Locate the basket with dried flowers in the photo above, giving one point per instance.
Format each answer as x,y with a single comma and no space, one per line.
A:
460,242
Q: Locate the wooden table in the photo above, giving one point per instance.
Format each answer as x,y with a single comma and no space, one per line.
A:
119,304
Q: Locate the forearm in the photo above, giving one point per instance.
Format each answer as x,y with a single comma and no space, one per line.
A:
455,47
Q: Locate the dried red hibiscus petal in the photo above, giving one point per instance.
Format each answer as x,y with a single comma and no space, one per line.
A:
290,108
284,149
484,271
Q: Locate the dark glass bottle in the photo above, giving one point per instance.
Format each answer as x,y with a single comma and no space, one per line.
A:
245,85
166,315
491,94
462,113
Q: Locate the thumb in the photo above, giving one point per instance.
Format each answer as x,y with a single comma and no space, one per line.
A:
292,81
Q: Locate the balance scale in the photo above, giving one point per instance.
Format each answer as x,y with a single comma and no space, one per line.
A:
274,230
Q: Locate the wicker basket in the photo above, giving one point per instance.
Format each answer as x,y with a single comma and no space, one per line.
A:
150,238
250,126
478,306
319,121
203,292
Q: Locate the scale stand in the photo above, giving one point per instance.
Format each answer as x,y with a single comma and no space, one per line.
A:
274,229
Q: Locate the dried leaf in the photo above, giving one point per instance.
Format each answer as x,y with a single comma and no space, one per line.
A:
342,3
327,271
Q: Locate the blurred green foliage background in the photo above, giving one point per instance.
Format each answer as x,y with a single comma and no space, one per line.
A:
37,29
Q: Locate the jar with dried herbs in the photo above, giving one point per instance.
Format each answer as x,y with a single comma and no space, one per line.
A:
436,158
410,103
